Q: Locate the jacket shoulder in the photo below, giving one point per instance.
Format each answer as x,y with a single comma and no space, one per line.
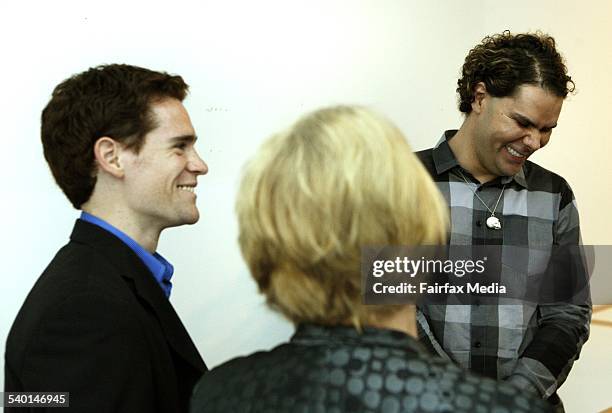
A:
77,278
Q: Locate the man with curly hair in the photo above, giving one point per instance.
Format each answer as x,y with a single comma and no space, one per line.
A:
98,322
511,92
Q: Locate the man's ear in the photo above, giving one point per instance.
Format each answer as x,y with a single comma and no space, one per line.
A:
106,153
480,93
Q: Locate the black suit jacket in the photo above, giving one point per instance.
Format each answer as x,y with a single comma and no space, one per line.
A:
97,324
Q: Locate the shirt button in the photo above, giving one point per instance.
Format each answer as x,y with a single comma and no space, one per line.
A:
477,344
479,223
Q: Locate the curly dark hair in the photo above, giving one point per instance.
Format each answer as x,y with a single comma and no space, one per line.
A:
505,61
109,100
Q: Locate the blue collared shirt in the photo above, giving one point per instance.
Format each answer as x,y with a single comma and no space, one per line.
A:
161,269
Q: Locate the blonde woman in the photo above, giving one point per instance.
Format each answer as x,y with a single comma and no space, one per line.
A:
339,179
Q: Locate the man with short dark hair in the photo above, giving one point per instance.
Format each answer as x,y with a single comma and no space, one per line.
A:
98,322
511,92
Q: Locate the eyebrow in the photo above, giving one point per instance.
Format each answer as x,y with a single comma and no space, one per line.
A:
524,119
183,138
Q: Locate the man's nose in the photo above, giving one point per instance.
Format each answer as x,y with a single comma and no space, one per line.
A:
533,140
197,164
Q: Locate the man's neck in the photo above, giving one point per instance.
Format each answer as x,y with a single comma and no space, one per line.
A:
463,147
146,236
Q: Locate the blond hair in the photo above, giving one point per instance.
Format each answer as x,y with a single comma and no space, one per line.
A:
339,179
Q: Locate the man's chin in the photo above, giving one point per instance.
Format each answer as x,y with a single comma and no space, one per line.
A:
509,169
185,220
513,171
192,220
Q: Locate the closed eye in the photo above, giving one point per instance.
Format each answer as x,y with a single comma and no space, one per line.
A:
522,124
522,121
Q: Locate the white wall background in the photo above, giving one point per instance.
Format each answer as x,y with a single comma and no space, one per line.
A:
253,68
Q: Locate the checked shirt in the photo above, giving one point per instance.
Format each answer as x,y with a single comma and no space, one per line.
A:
532,345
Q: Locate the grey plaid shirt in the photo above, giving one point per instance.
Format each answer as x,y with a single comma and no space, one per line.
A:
533,346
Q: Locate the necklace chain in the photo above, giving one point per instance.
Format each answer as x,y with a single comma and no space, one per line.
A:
480,199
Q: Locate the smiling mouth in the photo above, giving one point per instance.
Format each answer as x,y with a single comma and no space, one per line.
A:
516,153
187,188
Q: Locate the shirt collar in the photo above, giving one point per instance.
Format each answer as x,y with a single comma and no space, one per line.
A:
444,160
160,268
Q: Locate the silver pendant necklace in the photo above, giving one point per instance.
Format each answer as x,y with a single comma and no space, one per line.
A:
492,222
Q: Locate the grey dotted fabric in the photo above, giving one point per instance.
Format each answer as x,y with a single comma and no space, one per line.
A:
337,369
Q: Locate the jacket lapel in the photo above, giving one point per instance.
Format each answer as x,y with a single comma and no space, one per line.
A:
130,266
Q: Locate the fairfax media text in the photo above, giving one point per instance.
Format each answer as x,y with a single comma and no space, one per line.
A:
436,288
